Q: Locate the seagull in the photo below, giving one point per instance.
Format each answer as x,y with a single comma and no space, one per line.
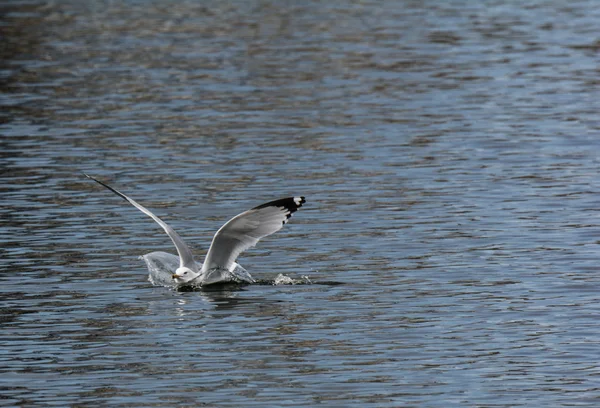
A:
234,237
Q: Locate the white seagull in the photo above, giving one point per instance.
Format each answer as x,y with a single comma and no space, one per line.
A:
234,237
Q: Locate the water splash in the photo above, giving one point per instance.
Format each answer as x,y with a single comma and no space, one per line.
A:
162,265
282,279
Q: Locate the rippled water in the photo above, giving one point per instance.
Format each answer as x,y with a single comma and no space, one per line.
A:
449,153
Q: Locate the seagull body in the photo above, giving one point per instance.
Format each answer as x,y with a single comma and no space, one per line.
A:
234,237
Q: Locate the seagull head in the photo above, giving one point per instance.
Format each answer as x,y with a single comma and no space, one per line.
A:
184,274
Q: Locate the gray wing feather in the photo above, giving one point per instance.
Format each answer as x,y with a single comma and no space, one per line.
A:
185,255
246,229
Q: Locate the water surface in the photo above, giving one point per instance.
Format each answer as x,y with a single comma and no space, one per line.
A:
448,152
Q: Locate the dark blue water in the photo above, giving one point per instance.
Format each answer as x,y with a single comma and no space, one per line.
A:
449,154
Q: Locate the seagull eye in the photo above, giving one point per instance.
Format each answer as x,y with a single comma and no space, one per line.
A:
185,273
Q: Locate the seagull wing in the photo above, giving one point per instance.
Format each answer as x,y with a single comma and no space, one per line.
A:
185,255
245,230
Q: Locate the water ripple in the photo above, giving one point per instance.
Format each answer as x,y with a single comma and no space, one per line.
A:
448,155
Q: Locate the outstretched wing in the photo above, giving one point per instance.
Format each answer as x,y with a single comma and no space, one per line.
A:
245,230
185,255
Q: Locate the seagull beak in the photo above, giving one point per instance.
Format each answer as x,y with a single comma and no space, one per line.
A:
175,276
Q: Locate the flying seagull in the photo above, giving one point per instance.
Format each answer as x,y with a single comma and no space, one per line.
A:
234,237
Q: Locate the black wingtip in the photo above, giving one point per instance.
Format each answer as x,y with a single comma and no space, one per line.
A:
107,186
290,204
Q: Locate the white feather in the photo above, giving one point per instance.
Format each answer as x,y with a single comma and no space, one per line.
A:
186,258
245,230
